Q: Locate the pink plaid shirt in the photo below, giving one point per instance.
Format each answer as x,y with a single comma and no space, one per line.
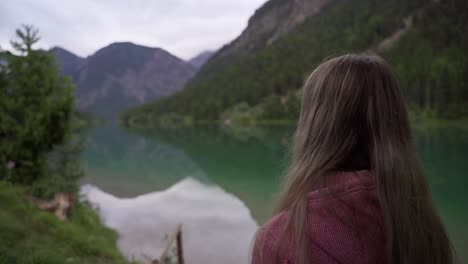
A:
344,225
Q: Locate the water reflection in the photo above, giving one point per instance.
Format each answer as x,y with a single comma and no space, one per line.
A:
248,164
127,165
217,226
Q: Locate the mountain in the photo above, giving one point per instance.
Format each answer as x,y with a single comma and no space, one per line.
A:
1,57
201,59
67,61
269,23
261,72
3,61
122,75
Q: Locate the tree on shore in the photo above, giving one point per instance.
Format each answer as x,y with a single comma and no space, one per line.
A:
36,110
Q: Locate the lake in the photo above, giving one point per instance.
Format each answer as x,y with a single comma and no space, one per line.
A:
220,184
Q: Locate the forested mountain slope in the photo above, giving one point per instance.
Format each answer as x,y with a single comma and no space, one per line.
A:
429,54
431,60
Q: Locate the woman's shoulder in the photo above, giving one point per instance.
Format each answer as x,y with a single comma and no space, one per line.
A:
270,232
266,248
343,226
276,223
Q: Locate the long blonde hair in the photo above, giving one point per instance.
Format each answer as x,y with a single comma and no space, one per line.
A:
353,117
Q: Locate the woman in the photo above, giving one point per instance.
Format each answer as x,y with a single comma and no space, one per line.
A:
355,191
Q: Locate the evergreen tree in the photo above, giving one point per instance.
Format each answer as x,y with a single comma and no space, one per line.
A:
36,107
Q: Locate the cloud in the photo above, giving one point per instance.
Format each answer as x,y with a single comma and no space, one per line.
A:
182,27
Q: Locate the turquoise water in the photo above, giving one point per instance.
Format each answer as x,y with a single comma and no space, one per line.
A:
248,163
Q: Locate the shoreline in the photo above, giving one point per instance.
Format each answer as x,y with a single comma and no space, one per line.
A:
416,122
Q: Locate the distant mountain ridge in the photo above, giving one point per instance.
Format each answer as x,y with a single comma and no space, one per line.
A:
68,62
2,59
200,59
122,75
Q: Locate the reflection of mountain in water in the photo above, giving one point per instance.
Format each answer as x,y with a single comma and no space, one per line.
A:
246,163
128,165
217,226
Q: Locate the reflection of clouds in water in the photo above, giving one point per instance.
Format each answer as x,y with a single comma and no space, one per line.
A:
217,226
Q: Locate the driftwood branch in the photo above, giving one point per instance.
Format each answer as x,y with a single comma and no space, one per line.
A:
175,236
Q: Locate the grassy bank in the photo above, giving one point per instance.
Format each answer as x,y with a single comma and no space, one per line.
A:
30,235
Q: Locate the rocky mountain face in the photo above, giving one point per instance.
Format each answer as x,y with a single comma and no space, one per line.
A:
270,22
201,59
122,75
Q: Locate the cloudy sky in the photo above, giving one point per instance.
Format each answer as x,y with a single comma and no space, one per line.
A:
182,27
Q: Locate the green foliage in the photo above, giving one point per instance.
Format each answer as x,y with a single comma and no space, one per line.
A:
36,107
84,120
30,235
173,120
241,114
430,60
63,168
286,107
40,149
272,107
